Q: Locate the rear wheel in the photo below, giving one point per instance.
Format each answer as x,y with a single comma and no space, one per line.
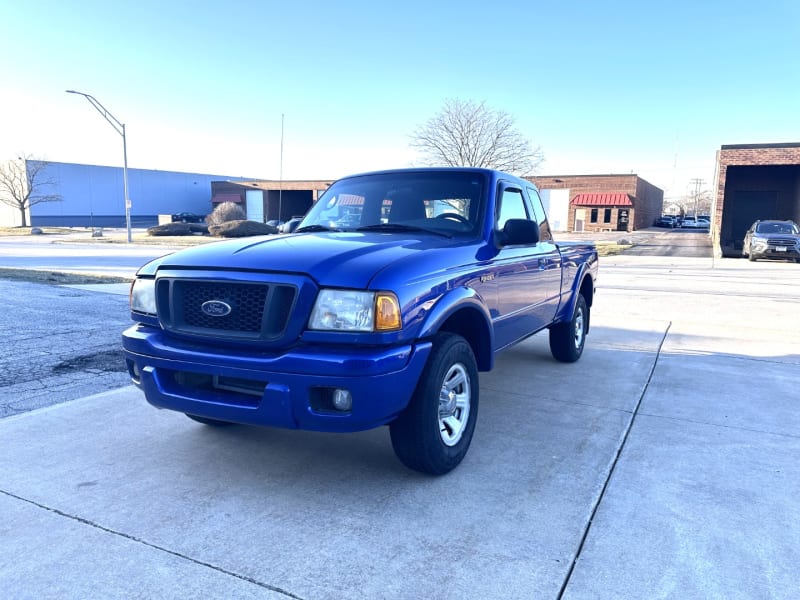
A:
433,434
567,339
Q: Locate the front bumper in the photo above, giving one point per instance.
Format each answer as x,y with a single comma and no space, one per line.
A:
777,252
291,386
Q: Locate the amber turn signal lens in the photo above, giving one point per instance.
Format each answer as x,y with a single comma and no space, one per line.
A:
387,312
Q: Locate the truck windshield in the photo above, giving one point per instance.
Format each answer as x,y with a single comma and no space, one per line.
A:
442,202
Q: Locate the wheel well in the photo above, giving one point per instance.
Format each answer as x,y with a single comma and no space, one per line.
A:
469,324
587,290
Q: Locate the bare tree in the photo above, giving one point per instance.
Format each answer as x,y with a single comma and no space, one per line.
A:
24,183
696,203
466,134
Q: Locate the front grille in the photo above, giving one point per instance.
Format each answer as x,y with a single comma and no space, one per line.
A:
238,310
786,242
246,302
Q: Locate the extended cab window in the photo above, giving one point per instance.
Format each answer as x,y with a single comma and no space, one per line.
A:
539,214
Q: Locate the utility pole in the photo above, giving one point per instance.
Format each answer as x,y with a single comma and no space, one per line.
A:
697,183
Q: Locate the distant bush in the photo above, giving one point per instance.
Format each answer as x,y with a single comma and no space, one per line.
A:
224,212
178,229
241,228
170,229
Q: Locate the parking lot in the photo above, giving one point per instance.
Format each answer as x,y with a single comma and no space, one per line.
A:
662,465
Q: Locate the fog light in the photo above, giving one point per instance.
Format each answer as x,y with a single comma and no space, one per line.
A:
133,370
342,400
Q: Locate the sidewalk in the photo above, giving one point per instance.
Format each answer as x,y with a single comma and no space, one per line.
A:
664,464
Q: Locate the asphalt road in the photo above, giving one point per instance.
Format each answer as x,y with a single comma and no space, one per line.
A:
687,243
58,344
652,241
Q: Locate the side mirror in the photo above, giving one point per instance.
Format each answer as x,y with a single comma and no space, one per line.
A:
518,232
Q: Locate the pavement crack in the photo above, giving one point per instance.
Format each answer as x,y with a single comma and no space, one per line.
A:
137,540
611,471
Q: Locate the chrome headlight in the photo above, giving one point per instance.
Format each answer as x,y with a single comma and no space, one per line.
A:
143,296
351,310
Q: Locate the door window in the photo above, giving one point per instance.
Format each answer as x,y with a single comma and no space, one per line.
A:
512,206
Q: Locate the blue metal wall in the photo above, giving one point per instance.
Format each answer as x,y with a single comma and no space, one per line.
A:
94,195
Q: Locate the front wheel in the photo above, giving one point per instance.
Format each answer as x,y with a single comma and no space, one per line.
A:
433,434
568,339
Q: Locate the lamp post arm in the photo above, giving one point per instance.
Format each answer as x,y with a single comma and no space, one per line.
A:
113,121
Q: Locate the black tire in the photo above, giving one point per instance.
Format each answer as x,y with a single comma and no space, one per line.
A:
568,339
751,258
209,422
433,434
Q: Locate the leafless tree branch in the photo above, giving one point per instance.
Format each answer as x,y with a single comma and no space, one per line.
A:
469,134
25,182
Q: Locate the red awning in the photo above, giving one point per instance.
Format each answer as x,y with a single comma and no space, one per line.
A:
226,198
616,199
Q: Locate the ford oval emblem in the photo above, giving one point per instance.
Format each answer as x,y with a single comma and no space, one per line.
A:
216,308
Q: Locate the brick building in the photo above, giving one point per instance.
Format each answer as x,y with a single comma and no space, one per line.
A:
754,181
599,202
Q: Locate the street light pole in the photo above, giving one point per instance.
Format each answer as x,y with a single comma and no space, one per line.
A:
120,129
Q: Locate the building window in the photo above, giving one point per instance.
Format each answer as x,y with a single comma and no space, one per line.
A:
607,215
593,217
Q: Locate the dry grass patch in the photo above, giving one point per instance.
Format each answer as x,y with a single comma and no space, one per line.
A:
57,278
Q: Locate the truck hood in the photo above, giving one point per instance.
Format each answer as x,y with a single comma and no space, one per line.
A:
336,259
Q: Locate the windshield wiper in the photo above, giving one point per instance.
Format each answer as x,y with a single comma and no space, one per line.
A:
400,227
308,228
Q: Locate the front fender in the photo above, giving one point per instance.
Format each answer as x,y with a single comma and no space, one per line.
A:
462,311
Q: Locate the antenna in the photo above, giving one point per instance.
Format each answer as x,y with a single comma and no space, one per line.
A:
280,176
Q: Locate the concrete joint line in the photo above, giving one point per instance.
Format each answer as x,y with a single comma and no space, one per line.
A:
720,425
149,545
613,467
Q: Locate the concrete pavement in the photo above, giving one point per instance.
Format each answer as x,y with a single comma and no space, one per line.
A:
664,464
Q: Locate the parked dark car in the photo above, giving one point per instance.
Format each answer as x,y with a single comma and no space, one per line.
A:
666,221
772,239
290,225
187,217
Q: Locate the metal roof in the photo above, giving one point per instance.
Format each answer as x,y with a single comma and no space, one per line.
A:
615,199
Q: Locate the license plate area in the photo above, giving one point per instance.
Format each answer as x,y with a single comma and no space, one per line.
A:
250,387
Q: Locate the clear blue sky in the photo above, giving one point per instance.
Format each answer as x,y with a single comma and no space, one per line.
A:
601,87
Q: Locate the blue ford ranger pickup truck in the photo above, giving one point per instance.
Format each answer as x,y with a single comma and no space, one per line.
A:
396,289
